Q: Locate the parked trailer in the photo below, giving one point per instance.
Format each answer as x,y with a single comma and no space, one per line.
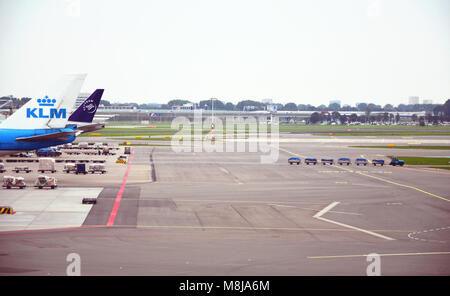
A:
46,181
361,161
70,167
22,169
83,145
293,160
378,161
344,160
97,168
311,160
47,165
327,160
13,182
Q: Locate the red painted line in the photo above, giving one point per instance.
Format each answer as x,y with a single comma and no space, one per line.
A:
112,216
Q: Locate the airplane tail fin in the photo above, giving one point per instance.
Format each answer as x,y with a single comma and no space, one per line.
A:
52,108
86,111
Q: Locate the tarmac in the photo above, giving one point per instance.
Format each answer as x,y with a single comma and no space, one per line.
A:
226,213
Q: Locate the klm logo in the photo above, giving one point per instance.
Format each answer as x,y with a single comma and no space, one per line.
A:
46,112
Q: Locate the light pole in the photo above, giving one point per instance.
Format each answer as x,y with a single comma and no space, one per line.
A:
212,119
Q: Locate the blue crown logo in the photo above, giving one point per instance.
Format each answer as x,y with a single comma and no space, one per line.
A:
46,101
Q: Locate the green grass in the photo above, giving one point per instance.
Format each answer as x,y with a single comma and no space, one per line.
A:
164,128
414,160
407,147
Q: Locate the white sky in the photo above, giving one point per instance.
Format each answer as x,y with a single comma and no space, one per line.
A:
307,52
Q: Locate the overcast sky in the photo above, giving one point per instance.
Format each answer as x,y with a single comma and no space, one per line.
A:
291,51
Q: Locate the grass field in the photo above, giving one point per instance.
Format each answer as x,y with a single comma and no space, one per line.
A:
164,128
414,160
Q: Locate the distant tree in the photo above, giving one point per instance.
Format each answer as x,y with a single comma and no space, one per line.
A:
23,101
421,121
368,111
229,106
322,108
290,107
414,117
308,107
388,107
105,103
334,107
361,106
316,117
246,103
335,115
385,117
379,117
438,110
374,107
397,118
177,102
208,104
353,117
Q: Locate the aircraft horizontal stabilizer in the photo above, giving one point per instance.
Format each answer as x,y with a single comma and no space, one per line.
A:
59,136
91,127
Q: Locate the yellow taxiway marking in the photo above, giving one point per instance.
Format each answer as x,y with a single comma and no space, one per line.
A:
380,179
398,184
384,255
287,151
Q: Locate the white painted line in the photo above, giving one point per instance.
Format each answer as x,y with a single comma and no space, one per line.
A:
332,205
326,209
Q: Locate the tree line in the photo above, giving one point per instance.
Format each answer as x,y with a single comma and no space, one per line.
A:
442,111
439,113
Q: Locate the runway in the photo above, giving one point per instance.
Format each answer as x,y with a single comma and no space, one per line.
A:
226,213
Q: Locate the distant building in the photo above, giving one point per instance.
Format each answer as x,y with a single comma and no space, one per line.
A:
427,102
115,107
188,106
335,102
250,108
413,100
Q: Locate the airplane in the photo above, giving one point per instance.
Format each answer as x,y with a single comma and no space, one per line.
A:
43,122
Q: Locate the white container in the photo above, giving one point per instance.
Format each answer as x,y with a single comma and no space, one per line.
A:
46,164
83,145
